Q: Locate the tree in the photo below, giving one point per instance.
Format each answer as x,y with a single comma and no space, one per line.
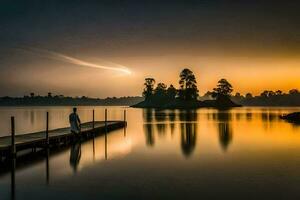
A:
278,92
31,94
238,95
249,96
160,90
271,93
223,89
294,91
161,93
267,93
171,92
148,90
188,88
49,94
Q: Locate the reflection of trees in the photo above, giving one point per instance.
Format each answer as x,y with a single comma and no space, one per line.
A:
267,116
238,116
225,134
148,126
32,117
160,117
264,116
75,155
222,116
224,128
188,129
249,115
172,118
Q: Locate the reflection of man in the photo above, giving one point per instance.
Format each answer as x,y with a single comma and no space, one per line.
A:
75,155
74,122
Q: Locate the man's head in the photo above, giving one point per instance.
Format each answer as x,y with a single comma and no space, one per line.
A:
74,110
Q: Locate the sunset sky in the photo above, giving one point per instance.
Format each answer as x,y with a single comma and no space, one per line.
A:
107,48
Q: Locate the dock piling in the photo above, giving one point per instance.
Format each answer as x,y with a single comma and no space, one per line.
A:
125,123
105,120
13,145
125,115
47,129
93,119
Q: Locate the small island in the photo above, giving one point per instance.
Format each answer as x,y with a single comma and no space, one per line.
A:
186,97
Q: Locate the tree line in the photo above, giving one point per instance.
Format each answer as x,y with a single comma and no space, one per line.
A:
187,90
269,98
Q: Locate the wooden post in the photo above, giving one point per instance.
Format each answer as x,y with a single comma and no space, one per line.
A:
93,118
125,115
13,145
125,123
105,134
105,120
47,129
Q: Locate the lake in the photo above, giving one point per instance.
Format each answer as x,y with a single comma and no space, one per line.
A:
242,153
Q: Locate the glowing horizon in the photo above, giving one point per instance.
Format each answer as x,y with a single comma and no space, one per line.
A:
256,51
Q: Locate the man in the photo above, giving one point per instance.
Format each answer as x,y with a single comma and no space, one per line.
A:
74,122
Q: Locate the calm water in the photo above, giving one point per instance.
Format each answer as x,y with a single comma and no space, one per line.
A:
244,153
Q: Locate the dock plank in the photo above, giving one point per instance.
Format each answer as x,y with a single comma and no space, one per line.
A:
31,138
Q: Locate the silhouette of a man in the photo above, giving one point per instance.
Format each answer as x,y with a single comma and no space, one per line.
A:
74,122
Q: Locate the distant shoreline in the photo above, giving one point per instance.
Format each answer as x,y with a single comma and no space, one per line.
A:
133,106
258,101
68,101
54,105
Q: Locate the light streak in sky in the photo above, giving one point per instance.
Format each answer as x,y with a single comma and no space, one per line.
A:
77,61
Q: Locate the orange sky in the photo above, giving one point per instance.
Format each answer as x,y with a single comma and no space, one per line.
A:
253,44
246,74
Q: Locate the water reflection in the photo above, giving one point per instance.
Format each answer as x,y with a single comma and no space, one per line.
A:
225,134
188,131
94,155
148,126
224,120
75,155
198,134
160,117
47,166
32,117
248,115
105,145
172,118
12,179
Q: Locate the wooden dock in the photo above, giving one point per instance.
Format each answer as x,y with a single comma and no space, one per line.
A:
56,137
29,147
